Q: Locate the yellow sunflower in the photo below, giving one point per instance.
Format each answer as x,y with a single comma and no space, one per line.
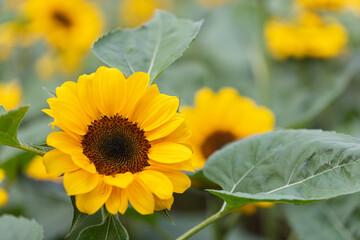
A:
221,118
323,4
66,24
308,36
3,194
36,169
10,95
133,13
120,141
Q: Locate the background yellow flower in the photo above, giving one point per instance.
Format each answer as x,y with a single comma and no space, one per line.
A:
3,194
310,36
10,95
36,169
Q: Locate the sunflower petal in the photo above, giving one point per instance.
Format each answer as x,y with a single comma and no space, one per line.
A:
80,182
165,129
162,204
57,162
140,197
167,152
113,203
121,180
92,201
157,182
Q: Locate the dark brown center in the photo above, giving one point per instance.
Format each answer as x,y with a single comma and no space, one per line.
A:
116,145
216,141
62,19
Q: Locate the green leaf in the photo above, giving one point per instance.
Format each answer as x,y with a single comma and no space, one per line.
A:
338,219
150,48
293,166
2,110
9,124
109,229
81,221
166,214
19,228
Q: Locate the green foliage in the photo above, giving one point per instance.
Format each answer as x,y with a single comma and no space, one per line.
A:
109,229
293,166
9,124
12,228
337,219
81,221
150,48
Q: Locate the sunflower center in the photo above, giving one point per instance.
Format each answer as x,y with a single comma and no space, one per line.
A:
116,145
216,141
62,19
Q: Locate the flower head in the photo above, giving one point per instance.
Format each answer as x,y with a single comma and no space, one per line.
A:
309,36
120,141
65,24
220,118
133,13
10,95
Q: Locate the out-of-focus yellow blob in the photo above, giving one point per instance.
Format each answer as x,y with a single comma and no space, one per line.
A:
133,13
10,95
323,4
36,170
309,36
3,194
12,34
251,209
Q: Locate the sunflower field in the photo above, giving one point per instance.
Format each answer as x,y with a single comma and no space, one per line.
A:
180,119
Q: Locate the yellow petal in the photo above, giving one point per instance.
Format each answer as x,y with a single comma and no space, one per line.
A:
3,197
64,142
57,162
180,135
113,203
2,174
121,180
181,182
109,90
140,197
162,204
85,91
165,129
80,182
183,166
136,85
157,182
167,152
83,162
91,202
117,202
154,109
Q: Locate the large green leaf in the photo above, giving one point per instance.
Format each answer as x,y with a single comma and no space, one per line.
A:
109,229
294,166
13,228
9,124
150,48
338,219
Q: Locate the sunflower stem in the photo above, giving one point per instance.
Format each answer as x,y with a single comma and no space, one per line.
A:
30,149
222,212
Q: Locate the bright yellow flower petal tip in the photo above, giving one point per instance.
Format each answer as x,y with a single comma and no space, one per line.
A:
120,141
36,170
3,194
10,95
221,118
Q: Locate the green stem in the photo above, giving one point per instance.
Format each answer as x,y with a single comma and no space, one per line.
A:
29,149
200,226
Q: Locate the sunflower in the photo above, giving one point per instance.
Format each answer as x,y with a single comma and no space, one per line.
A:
120,141
221,118
3,194
36,169
73,25
10,95
323,4
308,36
133,13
